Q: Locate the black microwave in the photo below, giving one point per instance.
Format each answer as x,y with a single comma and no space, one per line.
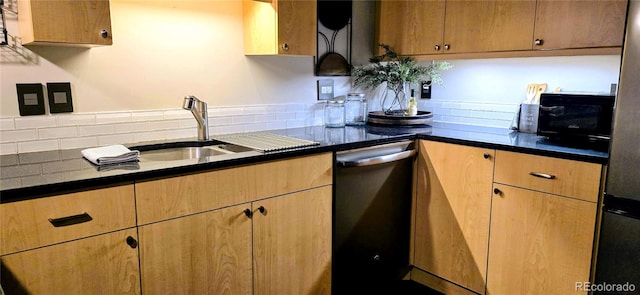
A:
576,117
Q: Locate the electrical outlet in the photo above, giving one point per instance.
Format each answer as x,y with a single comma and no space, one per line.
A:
425,89
325,89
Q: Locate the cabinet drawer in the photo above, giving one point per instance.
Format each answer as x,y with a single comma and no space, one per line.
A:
552,175
30,224
178,196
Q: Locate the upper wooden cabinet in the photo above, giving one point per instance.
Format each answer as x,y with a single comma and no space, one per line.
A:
500,27
436,27
65,22
287,27
579,23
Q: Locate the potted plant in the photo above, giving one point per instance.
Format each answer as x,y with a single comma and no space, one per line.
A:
396,71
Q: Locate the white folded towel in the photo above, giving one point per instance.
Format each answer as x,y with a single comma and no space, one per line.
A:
110,154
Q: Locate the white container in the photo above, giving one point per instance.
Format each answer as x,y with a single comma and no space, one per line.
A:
528,122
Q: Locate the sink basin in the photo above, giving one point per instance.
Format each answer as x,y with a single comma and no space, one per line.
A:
188,150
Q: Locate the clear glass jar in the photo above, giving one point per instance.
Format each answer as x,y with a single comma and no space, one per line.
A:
334,113
355,109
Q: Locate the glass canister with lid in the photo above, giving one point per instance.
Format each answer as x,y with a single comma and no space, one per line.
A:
355,109
334,113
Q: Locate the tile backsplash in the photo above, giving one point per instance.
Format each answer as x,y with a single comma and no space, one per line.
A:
72,131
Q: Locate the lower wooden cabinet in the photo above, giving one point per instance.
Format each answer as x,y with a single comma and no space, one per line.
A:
280,245
292,243
540,243
103,264
207,253
453,206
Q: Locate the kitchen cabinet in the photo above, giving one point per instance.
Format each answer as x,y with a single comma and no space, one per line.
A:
437,27
579,24
65,22
213,232
280,27
78,243
500,28
543,219
453,202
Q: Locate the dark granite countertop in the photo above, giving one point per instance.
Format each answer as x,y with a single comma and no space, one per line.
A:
32,175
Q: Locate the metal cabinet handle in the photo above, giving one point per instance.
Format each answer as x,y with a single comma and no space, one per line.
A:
538,42
131,241
377,160
486,155
70,220
446,47
542,175
285,47
248,213
437,47
497,191
104,34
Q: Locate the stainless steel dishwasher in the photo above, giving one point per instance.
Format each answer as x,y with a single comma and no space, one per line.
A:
372,211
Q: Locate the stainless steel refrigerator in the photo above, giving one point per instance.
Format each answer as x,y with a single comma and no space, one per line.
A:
618,258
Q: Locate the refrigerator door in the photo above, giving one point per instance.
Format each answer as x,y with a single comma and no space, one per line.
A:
623,179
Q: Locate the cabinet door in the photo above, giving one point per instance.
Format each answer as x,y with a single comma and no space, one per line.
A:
207,253
579,23
292,243
297,31
411,27
482,26
540,243
453,203
65,22
103,264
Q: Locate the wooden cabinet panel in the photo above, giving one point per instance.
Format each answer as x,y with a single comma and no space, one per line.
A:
452,212
60,22
178,196
206,253
292,243
268,26
570,178
411,27
26,225
102,264
540,243
580,23
482,26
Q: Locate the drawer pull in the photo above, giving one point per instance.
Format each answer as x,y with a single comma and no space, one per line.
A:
262,210
542,175
131,241
70,220
248,213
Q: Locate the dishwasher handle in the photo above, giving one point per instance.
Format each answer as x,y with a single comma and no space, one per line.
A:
377,160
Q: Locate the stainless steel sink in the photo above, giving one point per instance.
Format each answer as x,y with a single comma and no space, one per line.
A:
188,150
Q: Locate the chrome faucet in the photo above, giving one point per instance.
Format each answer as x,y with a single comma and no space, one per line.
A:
199,110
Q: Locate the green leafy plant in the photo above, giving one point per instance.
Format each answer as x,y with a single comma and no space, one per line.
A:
396,71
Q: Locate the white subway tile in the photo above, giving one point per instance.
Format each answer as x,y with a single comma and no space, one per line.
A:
187,123
295,123
131,127
265,117
181,133
215,121
276,125
18,135
147,116
243,119
304,115
226,129
177,114
58,132
78,142
7,124
94,130
276,108
285,116
103,118
73,119
35,122
8,148
115,139
38,146
148,136
163,125
254,127
255,110
295,107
